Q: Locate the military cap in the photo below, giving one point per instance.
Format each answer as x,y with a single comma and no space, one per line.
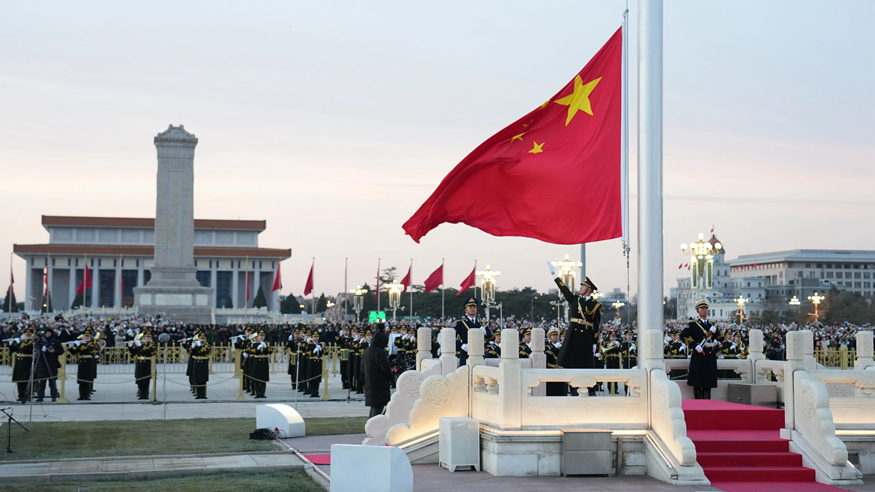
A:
589,283
552,331
702,304
471,301
261,332
527,332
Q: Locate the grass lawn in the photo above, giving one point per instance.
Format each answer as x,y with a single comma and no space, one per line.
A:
296,480
57,440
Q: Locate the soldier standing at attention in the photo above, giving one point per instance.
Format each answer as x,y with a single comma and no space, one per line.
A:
468,321
583,331
143,350
551,351
200,368
86,349
22,347
703,338
259,354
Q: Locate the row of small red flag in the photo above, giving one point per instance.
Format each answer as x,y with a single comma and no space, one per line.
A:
433,282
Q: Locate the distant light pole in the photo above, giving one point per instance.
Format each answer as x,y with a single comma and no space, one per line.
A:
816,299
487,287
741,301
795,301
702,255
617,305
395,289
358,302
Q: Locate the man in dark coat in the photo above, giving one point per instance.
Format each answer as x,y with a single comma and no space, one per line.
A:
47,365
583,331
378,374
703,339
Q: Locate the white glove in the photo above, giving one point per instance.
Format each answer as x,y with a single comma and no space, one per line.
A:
138,343
245,355
465,347
552,269
96,356
699,349
291,337
78,343
262,345
17,340
713,329
317,350
44,348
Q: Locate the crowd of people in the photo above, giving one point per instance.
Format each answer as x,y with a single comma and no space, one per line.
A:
373,355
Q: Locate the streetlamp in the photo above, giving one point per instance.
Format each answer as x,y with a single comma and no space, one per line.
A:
395,289
816,299
795,301
617,305
741,301
358,301
567,269
701,255
487,287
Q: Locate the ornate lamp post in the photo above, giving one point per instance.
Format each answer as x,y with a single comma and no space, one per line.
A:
568,271
795,302
617,305
702,255
741,301
358,302
816,299
487,288
395,289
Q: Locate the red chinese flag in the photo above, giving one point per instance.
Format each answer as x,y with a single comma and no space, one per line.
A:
86,281
552,175
11,281
277,282
406,280
308,287
468,282
247,286
435,280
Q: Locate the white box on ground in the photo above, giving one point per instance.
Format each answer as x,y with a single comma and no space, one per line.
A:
356,468
278,416
459,442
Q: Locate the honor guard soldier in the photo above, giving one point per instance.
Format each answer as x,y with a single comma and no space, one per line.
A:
467,322
143,350
363,345
583,331
677,348
200,369
293,348
343,344
493,348
22,349
702,336
629,351
611,351
314,376
241,345
259,352
86,348
551,351
525,347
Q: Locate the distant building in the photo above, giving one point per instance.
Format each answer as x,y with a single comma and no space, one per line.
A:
119,253
772,276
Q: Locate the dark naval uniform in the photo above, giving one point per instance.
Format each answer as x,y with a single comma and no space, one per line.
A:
292,346
462,327
552,354
142,352
200,367
86,352
259,356
22,351
703,366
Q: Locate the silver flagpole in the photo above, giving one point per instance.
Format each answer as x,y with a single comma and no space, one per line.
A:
624,153
650,275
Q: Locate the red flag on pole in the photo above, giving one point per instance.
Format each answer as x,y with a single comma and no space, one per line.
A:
468,282
86,281
406,280
11,281
552,175
308,287
277,282
247,285
435,280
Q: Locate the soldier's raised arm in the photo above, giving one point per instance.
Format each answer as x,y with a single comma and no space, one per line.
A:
569,296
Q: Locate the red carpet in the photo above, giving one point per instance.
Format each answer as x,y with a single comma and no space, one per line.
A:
319,459
740,449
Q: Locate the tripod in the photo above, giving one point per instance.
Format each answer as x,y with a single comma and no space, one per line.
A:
9,428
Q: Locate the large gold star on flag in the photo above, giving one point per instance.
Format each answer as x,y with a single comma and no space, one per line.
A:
579,99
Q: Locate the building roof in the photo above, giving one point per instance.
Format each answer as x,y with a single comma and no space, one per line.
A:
121,250
809,255
714,242
148,223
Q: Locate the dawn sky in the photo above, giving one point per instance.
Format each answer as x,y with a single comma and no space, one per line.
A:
334,121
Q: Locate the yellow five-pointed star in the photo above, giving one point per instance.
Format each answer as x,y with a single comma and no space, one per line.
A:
579,99
537,149
518,137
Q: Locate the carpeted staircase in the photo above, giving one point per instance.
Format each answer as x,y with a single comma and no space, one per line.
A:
740,449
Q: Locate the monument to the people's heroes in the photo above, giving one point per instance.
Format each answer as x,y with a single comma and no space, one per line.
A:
174,288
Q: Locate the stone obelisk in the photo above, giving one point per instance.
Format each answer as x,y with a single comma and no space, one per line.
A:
173,288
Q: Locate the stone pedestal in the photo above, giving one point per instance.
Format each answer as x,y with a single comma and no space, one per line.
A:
173,288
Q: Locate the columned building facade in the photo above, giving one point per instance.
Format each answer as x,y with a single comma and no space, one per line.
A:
119,253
